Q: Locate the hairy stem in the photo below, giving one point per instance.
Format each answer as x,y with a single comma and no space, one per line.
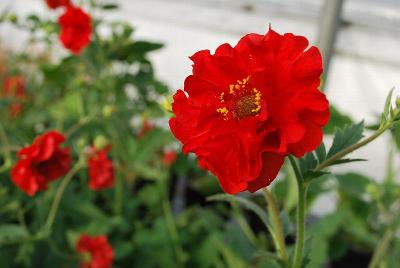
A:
300,216
277,226
57,198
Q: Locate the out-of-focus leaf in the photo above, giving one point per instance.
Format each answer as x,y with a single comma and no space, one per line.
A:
12,233
353,184
244,202
321,232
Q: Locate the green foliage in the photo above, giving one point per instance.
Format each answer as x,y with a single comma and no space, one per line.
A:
346,137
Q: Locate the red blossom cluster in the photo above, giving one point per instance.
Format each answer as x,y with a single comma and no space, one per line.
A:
245,108
75,25
101,169
100,251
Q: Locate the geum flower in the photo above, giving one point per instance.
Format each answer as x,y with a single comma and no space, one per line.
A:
75,29
53,4
14,87
246,107
40,163
101,169
100,251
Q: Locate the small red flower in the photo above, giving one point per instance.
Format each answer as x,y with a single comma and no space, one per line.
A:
76,28
169,157
14,87
246,107
41,162
100,251
101,170
53,4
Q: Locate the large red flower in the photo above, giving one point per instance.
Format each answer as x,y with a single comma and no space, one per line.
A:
53,4
246,107
100,251
14,87
41,162
76,28
101,169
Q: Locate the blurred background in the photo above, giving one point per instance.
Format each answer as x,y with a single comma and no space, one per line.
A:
362,41
158,213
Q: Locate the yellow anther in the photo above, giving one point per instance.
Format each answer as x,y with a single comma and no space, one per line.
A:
223,111
237,86
231,89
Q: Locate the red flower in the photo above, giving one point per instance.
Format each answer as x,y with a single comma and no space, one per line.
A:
76,28
246,107
14,87
169,158
53,4
41,162
100,251
101,170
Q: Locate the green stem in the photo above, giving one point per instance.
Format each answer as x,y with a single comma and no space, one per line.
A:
352,148
381,248
273,212
169,218
57,198
300,217
118,192
7,153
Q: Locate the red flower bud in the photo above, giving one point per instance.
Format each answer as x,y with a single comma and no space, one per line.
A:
100,251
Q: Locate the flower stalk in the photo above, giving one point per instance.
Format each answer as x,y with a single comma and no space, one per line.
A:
302,188
60,191
279,238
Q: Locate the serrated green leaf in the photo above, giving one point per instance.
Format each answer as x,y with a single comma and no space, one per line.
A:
308,162
244,202
347,160
346,137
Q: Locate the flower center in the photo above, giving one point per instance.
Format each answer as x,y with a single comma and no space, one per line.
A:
241,101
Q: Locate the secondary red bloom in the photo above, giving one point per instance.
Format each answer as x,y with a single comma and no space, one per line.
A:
169,157
53,4
14,87
101,170
40,163
100,251
76,28
246,107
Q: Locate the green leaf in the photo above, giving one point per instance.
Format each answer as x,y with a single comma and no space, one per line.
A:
12,233
308,162
321,232
347,160
244,202
108,6
353,184
387,109
321,153
346,137
142,47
